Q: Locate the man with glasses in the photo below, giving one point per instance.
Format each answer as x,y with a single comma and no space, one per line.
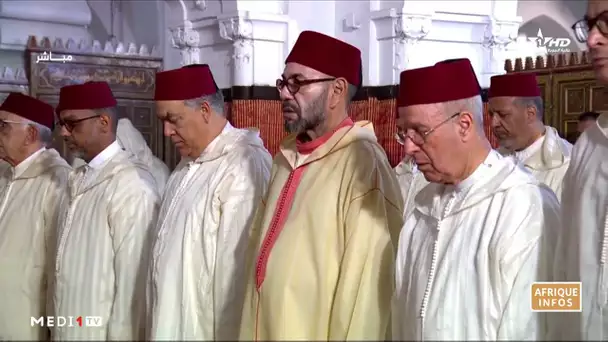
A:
322,248
30,191
410,179
197,276
516,110
582,248
104,223
469,252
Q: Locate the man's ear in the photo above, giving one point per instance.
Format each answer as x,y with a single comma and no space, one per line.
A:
106,121
31,134
205,111
338,91
465,125
531,113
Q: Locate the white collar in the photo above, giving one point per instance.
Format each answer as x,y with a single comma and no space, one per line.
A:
480,172
21,167
105,155
527,152
227,128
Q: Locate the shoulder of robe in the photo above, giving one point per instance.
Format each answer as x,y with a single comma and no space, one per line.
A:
532,199
132,174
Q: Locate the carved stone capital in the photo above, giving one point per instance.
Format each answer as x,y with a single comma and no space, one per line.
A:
236,29
397,33
412,27
500,33
187,41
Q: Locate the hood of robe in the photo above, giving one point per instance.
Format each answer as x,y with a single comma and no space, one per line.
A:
228,140
554,152
122,161
361,131
500,176
47,160
133,141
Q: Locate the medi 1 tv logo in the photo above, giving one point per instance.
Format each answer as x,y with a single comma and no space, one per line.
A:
66,321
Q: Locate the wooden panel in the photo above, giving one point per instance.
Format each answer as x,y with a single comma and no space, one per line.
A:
143,116
598,98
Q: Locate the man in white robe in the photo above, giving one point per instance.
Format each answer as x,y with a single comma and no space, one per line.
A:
31,187
582,247
197,276
131,139
103,225
469,252
516,108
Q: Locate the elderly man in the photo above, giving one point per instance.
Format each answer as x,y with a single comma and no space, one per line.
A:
197,276
133,141
30,190
469,252
516,108
113,202
322,252
582,247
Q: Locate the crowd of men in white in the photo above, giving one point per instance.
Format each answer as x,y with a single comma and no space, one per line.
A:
326,242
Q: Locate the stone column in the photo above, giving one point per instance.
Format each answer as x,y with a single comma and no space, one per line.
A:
499,35
398,34
187,41
240,32
259,43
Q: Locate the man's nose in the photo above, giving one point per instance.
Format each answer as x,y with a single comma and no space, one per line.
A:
168,129
410,147
284,94
595,38
494,121
64,131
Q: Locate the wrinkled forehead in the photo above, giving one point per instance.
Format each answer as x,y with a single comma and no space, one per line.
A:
296,69
596,7
75,114
422,115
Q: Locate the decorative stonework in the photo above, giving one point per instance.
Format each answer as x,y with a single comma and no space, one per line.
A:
95,47
187,41
398,34
409,30
499,36
240,32
249,31
13,76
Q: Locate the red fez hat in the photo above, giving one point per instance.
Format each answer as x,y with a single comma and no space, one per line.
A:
445,81
29,108
516,85
327,55
185,83
89,95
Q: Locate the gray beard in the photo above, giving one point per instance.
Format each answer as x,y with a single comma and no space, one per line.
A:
314,118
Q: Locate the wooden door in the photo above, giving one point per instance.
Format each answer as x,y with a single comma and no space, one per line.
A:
571,96
142,114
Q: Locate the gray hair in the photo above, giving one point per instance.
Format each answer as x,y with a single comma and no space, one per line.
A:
112,113
45,134
215,101
535,101
352,91
472,104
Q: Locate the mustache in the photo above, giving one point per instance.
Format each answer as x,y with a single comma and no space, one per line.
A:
290,107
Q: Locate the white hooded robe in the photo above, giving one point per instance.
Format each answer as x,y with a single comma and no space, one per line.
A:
468,255
197,280
100,261
582,246
30,195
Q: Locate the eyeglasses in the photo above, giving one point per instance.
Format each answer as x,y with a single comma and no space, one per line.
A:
419,138
70,124
582,27
4,124
294,85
